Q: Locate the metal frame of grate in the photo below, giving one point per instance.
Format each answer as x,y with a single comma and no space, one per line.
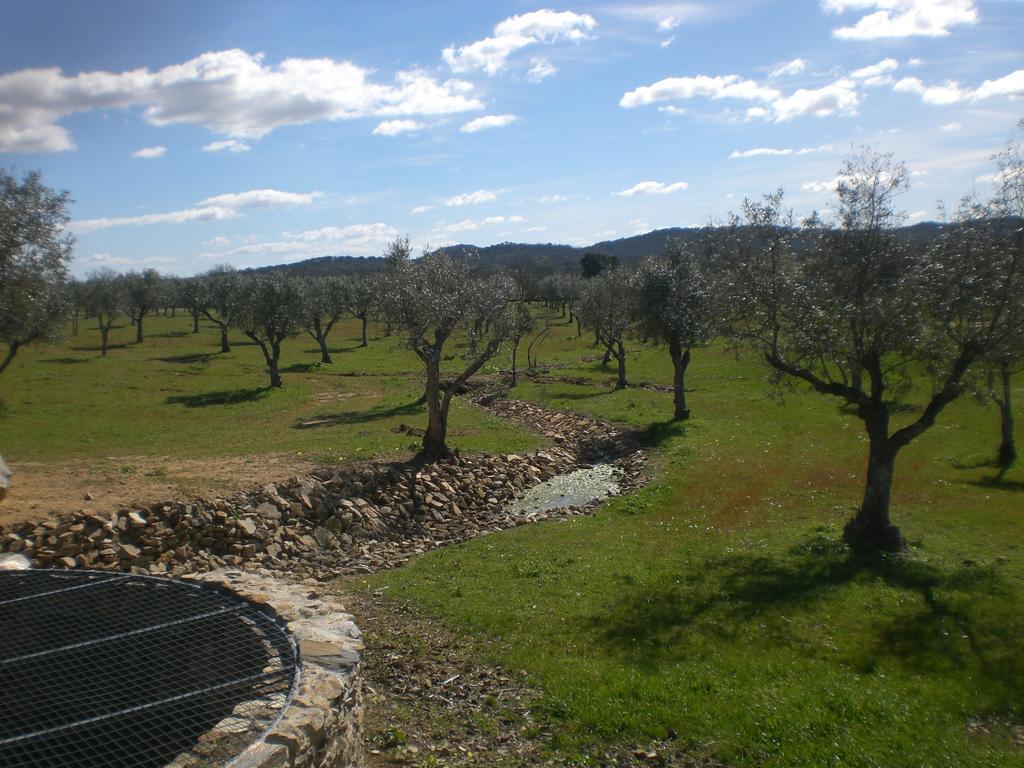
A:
101,670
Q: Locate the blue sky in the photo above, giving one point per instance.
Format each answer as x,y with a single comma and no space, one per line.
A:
192,134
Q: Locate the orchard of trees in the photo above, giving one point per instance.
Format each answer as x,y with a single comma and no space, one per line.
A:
840,304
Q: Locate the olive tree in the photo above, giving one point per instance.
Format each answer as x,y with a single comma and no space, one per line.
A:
362,296
268,309
104,299
325,302
607,305
675,304
192,296
860,315
429,300
219,298
1003,216
142,294
35,252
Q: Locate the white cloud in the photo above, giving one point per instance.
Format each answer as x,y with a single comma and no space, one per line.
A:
902,18
652,188
232,92
473,198
395,127
949,92
215,208
491,54
535,229
839,96
758,152
554,198
670,109
471,225
109,260
261,198
811,150
883,67
422,209
540,68
148,153
914,62
794,67
217,242
227,145
354,239
821,186
488,121
667,41
772,152
950,127
669,23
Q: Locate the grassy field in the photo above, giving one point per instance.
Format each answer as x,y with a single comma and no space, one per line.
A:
714,604
717,605
177,394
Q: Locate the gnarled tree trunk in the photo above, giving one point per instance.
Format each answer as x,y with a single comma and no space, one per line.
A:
620,355
871,527
680,362
434,439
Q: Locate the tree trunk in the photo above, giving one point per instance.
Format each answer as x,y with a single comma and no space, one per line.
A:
1007,448
621,356
74,323
871,527
224,346
325,353
579,327
365,319
321,339
104,330
12,350
607,354
272,365
434,440
138,328
515,349
195,322
680,361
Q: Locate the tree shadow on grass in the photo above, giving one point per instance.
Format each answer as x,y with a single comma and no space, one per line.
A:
321,421
659,432
998,483
223,397
200,358
961,619
66,360
302,367
98,348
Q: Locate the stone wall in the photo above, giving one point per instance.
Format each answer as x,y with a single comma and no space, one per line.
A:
322,726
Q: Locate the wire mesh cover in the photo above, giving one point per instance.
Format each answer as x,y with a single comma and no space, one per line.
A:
102,670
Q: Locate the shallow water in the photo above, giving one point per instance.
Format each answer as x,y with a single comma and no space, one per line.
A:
571,490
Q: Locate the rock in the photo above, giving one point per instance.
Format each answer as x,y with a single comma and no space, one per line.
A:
247,526
268,511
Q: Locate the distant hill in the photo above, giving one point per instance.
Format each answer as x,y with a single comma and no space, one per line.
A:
548,257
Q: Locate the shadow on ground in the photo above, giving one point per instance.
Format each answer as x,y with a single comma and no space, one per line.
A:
321,421
223,397
200,358
66,360
964,618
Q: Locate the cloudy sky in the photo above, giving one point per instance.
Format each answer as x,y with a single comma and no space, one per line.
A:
193,134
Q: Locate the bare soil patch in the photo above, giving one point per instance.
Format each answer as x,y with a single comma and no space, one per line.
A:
50,489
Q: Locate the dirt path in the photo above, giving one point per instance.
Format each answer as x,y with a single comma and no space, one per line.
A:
45,490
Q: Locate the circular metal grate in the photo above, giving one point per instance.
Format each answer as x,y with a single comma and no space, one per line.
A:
99,670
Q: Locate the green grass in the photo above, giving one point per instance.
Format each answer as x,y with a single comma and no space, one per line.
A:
717,603
176,394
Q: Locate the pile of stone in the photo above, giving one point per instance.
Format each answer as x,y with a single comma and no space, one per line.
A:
358,519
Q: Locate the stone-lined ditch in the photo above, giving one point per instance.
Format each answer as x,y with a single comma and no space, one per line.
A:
358,518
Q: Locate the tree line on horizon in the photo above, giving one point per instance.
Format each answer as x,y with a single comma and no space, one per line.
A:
847,307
